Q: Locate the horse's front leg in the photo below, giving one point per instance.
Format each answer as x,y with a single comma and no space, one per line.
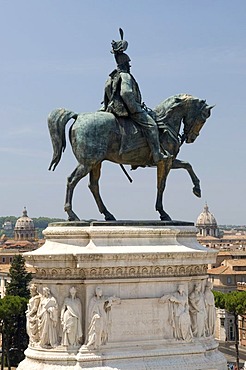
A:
94,188
79,172
163,168
195,180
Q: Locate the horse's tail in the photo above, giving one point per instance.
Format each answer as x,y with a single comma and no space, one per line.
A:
57,121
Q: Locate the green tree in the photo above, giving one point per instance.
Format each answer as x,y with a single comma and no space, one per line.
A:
20,278
11,309
235,304
16,291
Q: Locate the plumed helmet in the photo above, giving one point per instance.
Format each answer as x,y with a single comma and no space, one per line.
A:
119,46
122,58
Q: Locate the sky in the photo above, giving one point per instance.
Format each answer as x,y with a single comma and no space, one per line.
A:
56,53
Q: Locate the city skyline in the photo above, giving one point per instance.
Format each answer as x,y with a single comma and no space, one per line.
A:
57,54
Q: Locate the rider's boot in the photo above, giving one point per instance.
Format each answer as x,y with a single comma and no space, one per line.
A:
152,137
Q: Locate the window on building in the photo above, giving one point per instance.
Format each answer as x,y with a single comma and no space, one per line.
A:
222,322
231,333
10,259
229,280
3,259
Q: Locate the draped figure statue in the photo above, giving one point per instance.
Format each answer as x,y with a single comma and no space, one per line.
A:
98,313
198,313
47,319
31,315
178,316
210,310
71,316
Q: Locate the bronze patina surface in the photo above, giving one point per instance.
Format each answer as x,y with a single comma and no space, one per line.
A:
125,131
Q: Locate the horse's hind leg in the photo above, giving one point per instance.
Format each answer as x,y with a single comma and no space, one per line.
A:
163,168
80,171
94,188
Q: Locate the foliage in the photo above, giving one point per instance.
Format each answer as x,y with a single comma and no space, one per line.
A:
14,338
42,222
234,303
12,219
219,299
12,312
20,278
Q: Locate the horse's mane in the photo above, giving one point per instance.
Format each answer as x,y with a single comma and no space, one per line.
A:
165,109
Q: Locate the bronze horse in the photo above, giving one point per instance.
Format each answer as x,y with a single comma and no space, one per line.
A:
96,137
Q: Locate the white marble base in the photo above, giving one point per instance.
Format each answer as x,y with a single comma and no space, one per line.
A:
165,355
135,265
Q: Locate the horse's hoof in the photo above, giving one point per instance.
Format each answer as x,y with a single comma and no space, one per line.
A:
165,217
197,191
73,219
109,217
72,216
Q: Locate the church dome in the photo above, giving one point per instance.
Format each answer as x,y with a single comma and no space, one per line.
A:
24,228
206,218
207,224
24,222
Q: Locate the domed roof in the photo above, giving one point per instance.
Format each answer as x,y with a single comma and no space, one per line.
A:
24,222
206,218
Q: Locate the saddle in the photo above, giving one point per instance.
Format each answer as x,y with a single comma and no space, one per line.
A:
132,136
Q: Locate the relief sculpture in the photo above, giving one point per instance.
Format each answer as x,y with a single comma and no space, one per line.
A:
98,318
197,311
178,310
71,316
47,319
31,315
210,310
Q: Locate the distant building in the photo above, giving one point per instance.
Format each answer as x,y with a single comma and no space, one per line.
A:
242,322
207,224
228,273
24,228
25,239
4,279
211,236
7,225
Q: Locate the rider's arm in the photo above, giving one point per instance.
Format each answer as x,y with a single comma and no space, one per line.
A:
127,94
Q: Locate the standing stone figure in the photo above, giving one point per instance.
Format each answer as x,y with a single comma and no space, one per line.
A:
98,312
210,309
123,98
31,315
47,319
179,317
197,311
71,316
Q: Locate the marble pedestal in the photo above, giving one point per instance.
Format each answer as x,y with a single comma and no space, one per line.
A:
139,268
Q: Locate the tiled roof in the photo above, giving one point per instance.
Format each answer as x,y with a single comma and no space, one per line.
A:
235,262
4,268
218,270
225,270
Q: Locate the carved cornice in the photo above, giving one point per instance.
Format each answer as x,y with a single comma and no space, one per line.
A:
93,256
120,272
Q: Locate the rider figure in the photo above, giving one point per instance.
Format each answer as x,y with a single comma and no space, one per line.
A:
123,98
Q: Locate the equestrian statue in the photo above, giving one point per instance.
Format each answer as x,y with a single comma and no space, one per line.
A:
125,131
